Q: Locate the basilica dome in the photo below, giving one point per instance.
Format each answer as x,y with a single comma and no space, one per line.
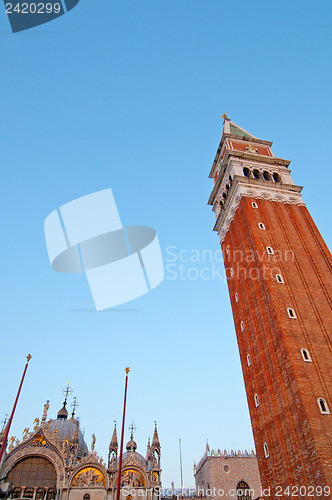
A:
64,429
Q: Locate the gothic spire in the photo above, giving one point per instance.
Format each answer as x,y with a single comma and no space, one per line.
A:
113,447
75,438
155,440
148,450
114,441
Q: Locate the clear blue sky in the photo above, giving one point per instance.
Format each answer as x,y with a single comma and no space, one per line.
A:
128,95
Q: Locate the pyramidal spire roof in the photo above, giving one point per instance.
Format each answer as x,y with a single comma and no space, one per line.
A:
155,440
114,440
233,129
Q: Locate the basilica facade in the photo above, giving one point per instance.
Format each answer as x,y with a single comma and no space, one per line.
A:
53,462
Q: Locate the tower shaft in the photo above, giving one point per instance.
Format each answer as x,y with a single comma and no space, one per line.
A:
278,271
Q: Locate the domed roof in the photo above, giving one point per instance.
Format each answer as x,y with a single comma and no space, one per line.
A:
65,430
138,457
131,445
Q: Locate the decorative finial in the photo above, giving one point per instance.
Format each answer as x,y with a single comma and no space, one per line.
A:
68,390
224,116
28,357
132,429
127,370
4,422
74,405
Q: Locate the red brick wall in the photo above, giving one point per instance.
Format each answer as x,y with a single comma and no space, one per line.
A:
288,418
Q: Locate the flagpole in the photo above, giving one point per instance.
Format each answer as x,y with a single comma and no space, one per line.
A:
181,469
5,438
122,434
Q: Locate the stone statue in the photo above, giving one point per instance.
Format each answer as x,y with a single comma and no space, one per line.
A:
36,424
93,442
11,443
25,433
46,407
172,484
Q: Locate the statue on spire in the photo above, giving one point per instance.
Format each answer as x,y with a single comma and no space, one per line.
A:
46,407
93,442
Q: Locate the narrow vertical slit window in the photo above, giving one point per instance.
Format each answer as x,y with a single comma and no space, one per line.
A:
266,450
261,225
256,400
291,313
254,205
242,325
248,360
279,278
323,406
270,250
306,355
236,298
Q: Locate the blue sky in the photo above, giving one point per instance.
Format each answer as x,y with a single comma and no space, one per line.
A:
128,95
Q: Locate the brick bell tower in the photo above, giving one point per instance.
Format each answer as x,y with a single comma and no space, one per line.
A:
278,271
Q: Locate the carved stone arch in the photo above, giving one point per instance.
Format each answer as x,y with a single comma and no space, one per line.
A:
137,468
265,196
90,464
279,198
42,452
250,193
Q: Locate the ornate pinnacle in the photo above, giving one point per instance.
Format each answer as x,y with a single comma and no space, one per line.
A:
68,390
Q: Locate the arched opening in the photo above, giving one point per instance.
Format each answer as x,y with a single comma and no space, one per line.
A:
246,172
227,187
276,177
266,175
257,174
40,493
33,472
29,493
87,496
243,491
279,278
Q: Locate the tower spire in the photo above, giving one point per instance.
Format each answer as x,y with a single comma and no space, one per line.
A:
113,447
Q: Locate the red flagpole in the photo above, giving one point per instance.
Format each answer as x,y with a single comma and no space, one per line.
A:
4,444
122,433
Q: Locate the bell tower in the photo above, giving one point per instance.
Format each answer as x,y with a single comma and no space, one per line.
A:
278,272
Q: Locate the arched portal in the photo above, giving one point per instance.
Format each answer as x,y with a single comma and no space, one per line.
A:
243,491
33,475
